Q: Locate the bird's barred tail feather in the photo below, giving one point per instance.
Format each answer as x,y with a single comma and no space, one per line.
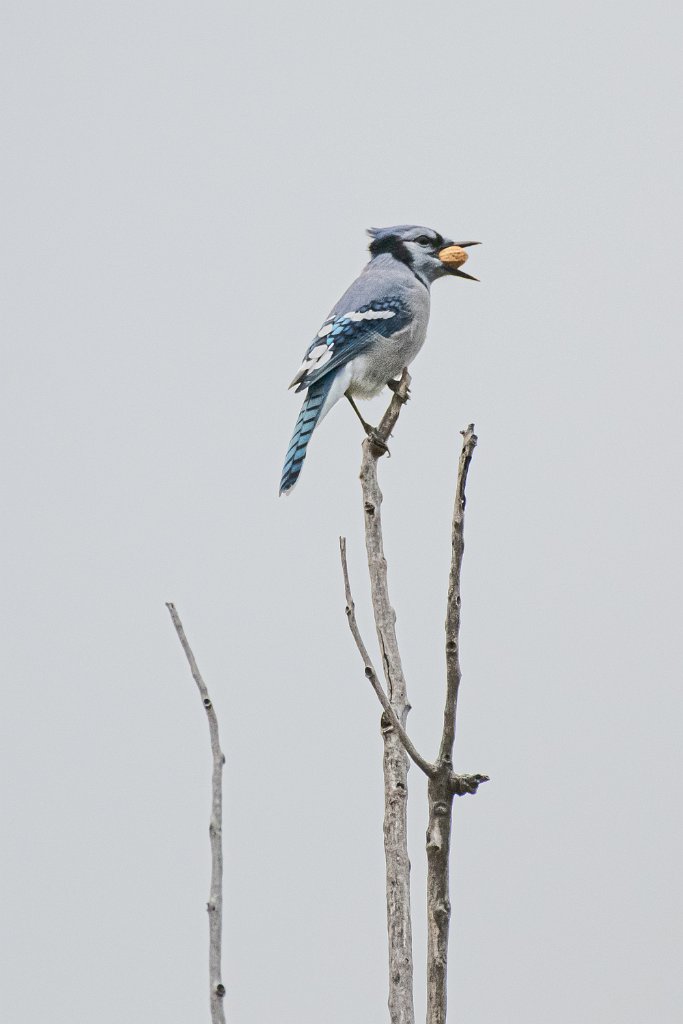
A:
308,417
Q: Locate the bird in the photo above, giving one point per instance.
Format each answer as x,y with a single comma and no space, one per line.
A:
374,331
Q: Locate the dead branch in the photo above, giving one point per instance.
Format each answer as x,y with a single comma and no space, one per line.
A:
395,762
445,784
469,441
413,753
215,904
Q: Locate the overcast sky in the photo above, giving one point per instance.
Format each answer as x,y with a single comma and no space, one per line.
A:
186,189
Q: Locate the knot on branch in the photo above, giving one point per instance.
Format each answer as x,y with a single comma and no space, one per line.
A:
369,508
220,989
384,722
441,807
461,785
434,840
442,910
207,703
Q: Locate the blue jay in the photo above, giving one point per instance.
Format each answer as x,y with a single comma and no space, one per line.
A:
374,331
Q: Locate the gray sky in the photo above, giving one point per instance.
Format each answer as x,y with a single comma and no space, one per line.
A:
186,191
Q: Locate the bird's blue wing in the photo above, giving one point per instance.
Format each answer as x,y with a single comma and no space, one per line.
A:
345,335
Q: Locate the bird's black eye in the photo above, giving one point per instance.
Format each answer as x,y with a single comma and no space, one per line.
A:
424,240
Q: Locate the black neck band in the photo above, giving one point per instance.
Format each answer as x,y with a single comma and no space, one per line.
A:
394,246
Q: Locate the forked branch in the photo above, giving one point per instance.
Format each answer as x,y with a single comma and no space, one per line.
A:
371,675
444,784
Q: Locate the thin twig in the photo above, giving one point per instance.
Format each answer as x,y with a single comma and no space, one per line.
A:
453,675
415,756
215,904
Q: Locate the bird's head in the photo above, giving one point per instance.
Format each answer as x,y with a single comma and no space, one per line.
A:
428,254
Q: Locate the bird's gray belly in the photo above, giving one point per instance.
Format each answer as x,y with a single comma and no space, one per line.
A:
385,360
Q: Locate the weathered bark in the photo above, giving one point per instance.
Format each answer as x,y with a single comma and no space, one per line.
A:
453,603
371,674
215,904
395,762
445,785
438,899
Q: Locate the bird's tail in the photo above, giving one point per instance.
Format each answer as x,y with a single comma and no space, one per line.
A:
308,417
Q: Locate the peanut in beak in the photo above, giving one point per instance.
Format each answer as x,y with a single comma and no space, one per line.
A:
453,256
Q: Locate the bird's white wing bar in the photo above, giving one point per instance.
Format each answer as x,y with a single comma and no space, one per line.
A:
367,314
343,336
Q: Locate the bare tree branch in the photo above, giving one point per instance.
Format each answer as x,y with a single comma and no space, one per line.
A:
413,753
395,762
384,431
215,904
453,604
446,784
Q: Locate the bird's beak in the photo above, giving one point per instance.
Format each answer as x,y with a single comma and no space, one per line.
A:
453,257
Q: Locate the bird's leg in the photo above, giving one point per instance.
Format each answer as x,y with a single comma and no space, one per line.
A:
394,385
370,431
366,426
